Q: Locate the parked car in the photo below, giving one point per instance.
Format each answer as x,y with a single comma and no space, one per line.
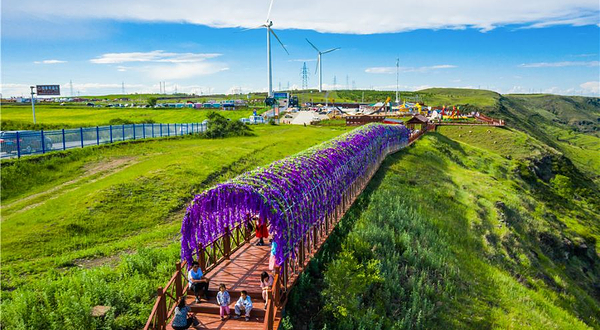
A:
28,142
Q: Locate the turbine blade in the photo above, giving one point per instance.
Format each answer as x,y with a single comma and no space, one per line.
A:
269,12
253,28
313,46
330,50
281,43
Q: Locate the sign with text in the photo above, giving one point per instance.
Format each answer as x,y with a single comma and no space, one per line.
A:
280,95
48,89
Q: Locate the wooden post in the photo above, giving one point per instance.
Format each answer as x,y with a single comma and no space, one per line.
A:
285,272
270,312
277,286
201,257
301,253
247,233
161,311
227,243
178,283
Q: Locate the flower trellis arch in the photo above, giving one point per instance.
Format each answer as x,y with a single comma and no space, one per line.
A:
292,194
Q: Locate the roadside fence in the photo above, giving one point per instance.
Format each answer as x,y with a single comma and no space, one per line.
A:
25,143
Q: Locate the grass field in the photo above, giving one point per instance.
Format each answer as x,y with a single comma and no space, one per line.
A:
56,116
448,235
97,201
457,231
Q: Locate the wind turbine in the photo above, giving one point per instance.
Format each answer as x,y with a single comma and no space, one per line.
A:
270,31
319,63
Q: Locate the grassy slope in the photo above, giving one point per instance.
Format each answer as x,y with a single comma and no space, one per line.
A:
97,201
56,116
568,124
460,260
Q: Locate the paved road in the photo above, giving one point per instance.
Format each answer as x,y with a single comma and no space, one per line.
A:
306,117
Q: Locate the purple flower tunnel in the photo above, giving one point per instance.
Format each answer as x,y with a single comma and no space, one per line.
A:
292,194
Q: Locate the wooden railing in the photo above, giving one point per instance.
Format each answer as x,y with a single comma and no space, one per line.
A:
490,120
209,257
222,247
167,299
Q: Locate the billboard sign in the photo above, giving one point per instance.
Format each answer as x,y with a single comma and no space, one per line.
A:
280,95
48,89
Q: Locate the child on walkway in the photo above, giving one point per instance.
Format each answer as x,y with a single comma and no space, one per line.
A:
223,301
245,304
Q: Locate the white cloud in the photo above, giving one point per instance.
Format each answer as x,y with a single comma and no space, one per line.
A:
592,87
392,69
50,62
162,65
348,16
183,70
153,56
559,64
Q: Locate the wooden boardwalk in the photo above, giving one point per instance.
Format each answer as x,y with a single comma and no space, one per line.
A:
236,261
241,272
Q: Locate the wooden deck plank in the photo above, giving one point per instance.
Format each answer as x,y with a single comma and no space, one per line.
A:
241,272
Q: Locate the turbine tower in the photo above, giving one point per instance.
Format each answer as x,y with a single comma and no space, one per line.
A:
319,63
270,31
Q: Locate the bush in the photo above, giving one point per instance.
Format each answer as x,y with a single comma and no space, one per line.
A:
65,301
220,127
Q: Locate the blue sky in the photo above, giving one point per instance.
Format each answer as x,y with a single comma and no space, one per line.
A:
552,46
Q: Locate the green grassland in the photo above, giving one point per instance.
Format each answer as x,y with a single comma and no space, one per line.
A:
570,125
471,227
452,233
62,208
55,116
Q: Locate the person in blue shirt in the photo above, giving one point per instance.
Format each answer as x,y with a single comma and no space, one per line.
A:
243,304
182,319
197,281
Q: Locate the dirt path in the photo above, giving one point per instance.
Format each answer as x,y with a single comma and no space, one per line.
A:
101,170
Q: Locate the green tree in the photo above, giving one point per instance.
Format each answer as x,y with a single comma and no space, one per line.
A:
152,101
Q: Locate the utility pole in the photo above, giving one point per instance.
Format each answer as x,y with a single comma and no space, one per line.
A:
347,82
32,103
123,87
304,76
334,82
397,78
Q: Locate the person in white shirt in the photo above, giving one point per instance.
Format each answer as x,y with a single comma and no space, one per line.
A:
243,304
